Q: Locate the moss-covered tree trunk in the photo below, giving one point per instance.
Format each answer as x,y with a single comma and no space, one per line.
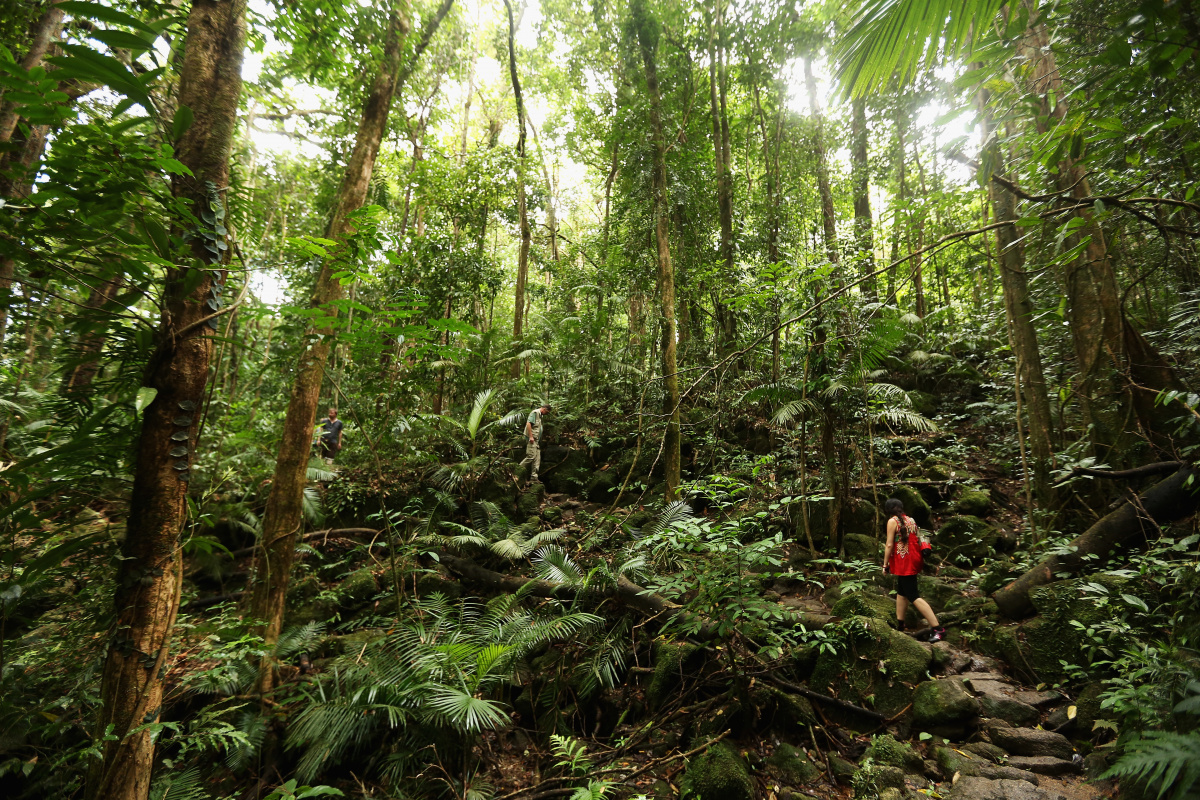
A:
149,576
282,517
726,321
647,33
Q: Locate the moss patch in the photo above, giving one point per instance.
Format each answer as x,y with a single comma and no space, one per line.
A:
914,505
790,766
853,673
965,539
719,774
671,661
887,750
943,702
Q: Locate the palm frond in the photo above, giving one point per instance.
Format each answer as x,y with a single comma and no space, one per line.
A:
483,401
903,37
670,515
903,418
313,506
793,411
553,564
463,710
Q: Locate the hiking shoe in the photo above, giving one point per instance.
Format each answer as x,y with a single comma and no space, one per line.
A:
938,634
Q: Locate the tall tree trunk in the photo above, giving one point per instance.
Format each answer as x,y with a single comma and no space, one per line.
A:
282,517
522,211
828,219
1098,325
647,33
1018,305
864,235
43,34
16,183
726,321
149,576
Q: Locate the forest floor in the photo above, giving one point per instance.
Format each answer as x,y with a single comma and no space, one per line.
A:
974,729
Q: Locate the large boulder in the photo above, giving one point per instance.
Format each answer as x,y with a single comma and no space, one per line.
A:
565,470
791,766
1030,741
965,539
1055,636
602,486
974,502
862,548
672,660
719,773
943,704
854,674
977,788
887,750
954,761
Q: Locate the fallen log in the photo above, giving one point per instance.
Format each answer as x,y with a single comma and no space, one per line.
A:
1168,500
1144,471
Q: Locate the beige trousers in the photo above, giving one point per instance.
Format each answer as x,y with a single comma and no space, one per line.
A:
533,455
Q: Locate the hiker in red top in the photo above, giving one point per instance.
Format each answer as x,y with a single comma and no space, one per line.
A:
903,556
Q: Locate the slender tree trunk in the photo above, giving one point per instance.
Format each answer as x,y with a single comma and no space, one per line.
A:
726,321
522,211
828,219
91,341
149,576
16,183
647,33
282,517
43,34
1018,305
864,235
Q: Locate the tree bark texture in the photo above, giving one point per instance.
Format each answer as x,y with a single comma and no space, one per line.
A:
726,321
148,579
1168,500
16,183
1018,305
864,234
282,517
1098,324
647,33
828,219
42,36
522,210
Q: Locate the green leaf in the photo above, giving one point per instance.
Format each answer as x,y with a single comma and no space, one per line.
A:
145,397
121,40
183,121
105,14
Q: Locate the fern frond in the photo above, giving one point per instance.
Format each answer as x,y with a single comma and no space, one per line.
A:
553,564
672,514
1163,759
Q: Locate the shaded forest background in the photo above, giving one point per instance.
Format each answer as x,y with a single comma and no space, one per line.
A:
769,264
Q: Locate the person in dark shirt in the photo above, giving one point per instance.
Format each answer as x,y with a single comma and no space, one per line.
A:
331,436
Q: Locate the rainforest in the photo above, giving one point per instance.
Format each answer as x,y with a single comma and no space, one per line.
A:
630,399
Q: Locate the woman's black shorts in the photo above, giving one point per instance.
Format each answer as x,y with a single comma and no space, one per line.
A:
906,586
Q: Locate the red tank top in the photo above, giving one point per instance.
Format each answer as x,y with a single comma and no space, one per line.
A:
906,552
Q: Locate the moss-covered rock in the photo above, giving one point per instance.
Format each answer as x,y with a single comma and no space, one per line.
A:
923,403
791,766
672,660
974,502
529,502
914,505
943,703
862,548
552,515
719,774
1054,637
304,589
1088,710
887,750
865,603
843,770
853,672
1000,573
602,486
938,594
358,588
965,539
782,711
565,470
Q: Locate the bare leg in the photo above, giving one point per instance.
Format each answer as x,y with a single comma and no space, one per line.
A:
902,607
926,612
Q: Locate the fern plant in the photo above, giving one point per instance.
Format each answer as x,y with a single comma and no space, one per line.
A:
494,532
1168,762
435,673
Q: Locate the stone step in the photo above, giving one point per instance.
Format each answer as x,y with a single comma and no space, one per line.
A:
1046,765
1029,741
972,788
